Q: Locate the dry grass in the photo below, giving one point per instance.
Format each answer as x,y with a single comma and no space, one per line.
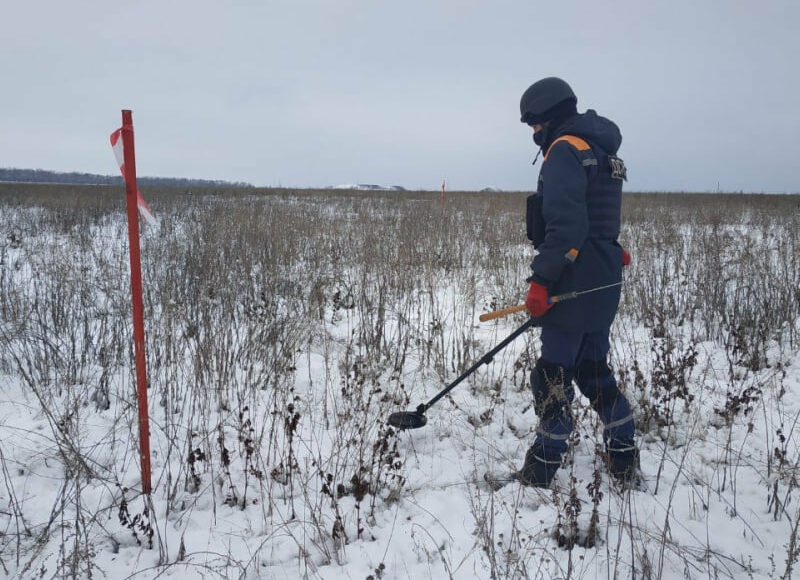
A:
362,290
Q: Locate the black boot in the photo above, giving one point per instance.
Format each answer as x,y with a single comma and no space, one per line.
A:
538,470
623,464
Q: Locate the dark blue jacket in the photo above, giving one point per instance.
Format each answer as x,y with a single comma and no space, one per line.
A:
580,182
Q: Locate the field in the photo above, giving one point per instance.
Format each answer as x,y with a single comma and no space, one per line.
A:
283,327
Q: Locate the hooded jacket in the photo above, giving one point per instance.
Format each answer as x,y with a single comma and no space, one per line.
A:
580,183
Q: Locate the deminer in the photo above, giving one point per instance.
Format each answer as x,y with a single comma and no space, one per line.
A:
573,220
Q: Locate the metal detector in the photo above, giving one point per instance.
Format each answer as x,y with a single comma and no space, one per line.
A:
416,419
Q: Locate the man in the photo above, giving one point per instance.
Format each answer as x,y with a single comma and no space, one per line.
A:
574,227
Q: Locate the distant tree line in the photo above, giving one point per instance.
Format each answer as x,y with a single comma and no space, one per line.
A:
44,176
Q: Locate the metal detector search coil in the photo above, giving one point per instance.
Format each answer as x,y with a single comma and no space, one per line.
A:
408,419
416,419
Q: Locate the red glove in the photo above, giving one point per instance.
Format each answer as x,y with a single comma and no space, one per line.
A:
537,300
626,257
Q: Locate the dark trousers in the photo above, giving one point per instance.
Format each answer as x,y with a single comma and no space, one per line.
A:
582,356
568,349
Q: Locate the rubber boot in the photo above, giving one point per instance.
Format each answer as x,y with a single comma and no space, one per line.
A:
623,464
538,471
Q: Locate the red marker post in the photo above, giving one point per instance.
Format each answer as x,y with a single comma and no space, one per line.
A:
129,172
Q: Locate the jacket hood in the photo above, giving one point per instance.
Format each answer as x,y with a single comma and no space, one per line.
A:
595,129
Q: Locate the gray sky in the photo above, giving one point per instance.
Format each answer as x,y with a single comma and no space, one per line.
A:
314,93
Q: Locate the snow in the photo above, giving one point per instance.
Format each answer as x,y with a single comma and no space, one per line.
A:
721,491
368,187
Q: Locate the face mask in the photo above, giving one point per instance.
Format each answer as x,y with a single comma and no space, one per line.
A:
539,138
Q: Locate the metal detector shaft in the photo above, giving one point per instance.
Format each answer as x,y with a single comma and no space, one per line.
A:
551,300
571,295
485,359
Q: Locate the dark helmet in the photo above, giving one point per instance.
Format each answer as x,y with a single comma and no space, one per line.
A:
546,99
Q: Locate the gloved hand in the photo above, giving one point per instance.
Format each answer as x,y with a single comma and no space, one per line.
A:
537,300
626,257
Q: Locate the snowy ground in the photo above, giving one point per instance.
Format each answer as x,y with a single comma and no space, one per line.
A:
283,331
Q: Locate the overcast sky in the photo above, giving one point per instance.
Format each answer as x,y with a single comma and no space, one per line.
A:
316,93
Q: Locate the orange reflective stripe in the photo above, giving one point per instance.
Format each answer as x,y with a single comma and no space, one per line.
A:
576,142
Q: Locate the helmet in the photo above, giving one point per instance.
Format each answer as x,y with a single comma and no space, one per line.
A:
538,103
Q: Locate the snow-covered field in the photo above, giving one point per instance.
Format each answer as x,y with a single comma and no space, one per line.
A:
282,330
